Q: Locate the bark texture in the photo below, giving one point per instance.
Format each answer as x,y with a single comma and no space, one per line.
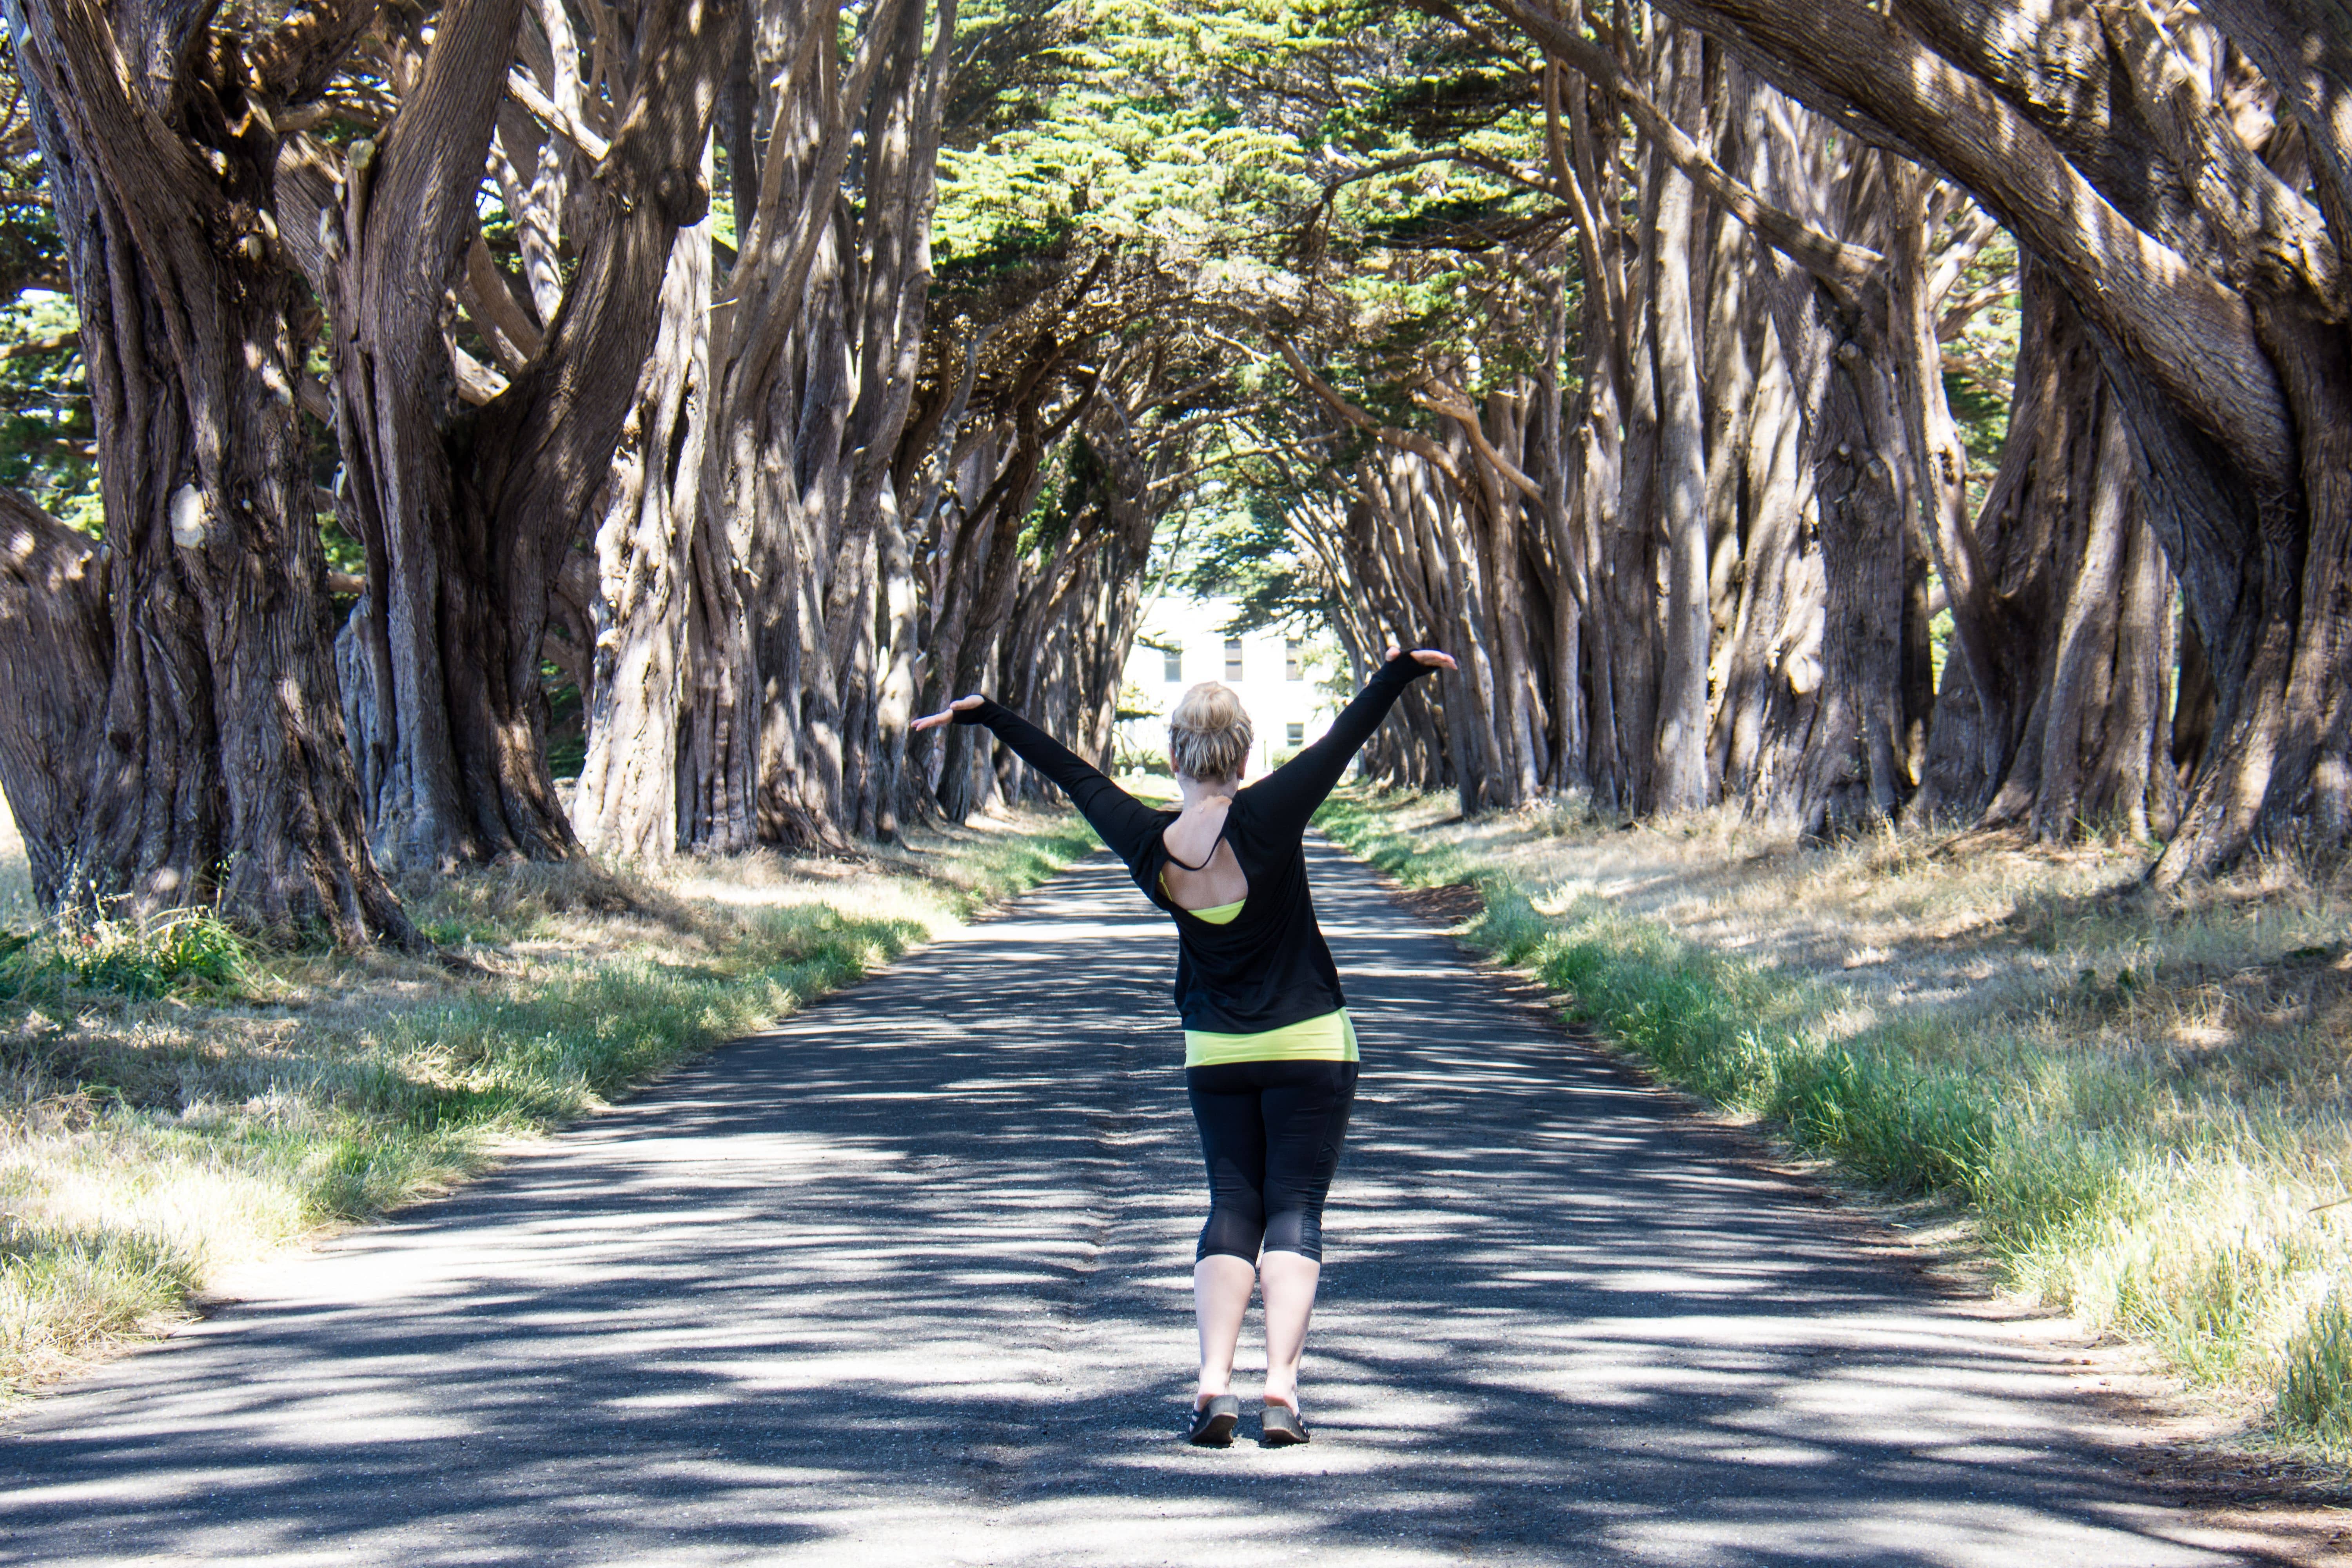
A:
2180,175
56,654
469,514
628,803
219,770
2075,609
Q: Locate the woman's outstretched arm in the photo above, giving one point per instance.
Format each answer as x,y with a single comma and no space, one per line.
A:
1287,796
1123,822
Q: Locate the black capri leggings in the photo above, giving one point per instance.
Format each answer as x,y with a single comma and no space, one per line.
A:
1272,1133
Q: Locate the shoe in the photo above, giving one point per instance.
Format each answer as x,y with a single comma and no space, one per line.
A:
1214,1423
1283,1427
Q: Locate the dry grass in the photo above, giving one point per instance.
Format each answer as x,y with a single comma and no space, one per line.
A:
2138,1101
160,1119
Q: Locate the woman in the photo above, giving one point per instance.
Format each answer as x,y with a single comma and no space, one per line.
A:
1269,1052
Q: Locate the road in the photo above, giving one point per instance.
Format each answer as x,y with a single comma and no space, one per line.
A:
907,1280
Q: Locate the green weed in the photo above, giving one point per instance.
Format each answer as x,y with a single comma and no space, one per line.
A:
172,951
2316,1389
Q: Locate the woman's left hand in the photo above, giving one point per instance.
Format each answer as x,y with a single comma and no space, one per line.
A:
1430,656
948,713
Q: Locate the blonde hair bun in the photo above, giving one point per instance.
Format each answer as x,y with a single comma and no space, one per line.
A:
1209,733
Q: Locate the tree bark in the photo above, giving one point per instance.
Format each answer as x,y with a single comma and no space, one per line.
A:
56,655
1678,774
2074,726
468,515
393,248
628,799
220,771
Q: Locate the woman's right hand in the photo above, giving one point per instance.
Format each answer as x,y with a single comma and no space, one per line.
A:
1430,656
946,714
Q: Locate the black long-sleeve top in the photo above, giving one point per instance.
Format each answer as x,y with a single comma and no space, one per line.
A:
1268,966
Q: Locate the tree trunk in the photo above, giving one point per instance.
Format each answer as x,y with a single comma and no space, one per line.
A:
2075,728
1772,679
1570,575
392,251
1633,625
220,770
628,798
718,749
1678,772
56,654
469,516
1859,489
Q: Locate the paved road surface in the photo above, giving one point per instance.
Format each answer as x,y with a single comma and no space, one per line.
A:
906,1282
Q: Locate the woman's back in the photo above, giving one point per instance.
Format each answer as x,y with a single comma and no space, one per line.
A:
1202,872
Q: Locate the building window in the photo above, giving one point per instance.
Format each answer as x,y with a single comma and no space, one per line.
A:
1233,659
1290,670
1171,663
1294,734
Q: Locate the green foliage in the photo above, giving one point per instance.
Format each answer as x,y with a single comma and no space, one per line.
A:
1134,702
2315,1393
1240,138
567,723
1238,546
47,429
1112,124
1983,416
1980,357
1332,171
47,436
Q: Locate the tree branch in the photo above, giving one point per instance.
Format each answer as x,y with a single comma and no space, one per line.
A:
1420,446
1849,271
2266,225
525,91
55,342
297,59
1457,407
2183,329
488,298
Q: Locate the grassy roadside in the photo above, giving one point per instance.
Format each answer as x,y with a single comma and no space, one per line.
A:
173,1101
2136,1104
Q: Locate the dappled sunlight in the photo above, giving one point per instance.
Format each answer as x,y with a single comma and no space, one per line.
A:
909,1278
2133,1101
149,1138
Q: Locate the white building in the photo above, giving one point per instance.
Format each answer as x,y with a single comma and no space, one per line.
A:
1281,679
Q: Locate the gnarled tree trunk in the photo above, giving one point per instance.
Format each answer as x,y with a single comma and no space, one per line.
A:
219,769
628,799
56,650
468,515
2076,599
